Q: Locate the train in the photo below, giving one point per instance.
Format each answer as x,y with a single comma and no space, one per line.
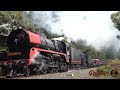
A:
31,53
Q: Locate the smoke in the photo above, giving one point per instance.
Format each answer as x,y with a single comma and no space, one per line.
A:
95,27
48,19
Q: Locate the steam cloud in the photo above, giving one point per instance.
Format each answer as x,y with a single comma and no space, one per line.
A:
93,26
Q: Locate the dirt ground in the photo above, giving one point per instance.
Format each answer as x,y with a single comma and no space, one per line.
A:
71,74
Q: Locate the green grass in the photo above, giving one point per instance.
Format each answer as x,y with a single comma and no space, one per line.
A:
112,65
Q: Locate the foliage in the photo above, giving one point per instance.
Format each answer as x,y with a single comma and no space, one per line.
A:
115,17
10,16
101,55
112,65
110,52
9,19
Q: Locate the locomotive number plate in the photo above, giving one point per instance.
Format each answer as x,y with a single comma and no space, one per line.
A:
14,53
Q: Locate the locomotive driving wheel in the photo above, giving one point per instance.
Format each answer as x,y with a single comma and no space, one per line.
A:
50,70
44,70
56,68
10,73
26,70
37,71
65,67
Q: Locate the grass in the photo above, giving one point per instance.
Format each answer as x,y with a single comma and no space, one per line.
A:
112,65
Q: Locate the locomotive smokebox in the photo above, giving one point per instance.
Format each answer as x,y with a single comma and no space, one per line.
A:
18,42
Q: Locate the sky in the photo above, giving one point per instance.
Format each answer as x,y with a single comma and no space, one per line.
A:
93,26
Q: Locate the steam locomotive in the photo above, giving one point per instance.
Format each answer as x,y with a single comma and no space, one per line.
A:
30,53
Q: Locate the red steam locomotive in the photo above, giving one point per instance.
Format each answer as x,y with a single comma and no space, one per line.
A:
30,53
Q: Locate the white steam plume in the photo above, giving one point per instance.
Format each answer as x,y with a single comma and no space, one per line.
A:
93,26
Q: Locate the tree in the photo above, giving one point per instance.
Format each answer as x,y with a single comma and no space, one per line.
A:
9,19
110,52
101,55
115,17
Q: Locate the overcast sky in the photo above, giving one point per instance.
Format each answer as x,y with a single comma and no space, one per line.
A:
93,26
